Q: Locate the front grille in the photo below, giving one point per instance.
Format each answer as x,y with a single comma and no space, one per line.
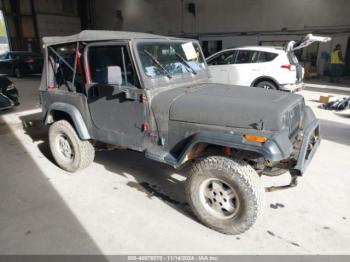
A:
294,119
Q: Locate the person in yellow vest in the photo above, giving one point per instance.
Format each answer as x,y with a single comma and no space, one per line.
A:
337,63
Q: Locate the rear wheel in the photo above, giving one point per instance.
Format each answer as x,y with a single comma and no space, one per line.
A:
226,195
268,85
70,153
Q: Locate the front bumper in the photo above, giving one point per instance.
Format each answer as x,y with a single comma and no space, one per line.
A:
293,87
306,147
304,151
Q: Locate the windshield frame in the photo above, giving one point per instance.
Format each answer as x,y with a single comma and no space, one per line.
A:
152,82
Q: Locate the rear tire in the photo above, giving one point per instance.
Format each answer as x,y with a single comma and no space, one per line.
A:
225,194
268,85
69,152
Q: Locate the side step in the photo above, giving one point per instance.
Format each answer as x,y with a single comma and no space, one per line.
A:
160,155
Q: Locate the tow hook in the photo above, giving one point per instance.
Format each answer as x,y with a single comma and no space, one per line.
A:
293,183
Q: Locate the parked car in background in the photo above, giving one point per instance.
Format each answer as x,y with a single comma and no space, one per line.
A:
20,63
8,94
259,66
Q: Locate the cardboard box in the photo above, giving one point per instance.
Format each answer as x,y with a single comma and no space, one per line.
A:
326,99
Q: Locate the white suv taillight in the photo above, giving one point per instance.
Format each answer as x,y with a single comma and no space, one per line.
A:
289,67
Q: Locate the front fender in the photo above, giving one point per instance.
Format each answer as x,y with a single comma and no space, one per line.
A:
75,115
270,150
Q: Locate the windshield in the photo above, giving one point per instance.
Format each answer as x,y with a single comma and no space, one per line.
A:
170,58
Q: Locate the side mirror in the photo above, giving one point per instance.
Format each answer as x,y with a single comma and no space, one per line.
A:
114,75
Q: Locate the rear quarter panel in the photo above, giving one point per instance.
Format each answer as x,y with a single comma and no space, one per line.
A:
281,75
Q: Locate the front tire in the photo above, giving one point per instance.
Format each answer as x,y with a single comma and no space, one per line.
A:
225,194
69,152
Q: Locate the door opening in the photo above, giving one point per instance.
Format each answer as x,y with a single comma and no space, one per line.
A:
4,43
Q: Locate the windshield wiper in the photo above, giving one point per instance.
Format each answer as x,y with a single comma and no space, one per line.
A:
183,60
154,60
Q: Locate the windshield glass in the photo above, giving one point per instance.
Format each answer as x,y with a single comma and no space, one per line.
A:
170,58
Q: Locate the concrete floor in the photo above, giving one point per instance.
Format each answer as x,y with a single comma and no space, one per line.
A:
126,204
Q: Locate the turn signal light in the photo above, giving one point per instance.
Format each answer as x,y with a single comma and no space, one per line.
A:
259,139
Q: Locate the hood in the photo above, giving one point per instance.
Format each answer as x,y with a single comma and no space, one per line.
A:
227,105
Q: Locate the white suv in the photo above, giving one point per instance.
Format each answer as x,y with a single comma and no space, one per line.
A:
259,66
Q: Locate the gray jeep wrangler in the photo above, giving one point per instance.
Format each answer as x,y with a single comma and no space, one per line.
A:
153,94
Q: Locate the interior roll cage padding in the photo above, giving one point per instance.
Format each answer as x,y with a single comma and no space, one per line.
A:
124,65
62,59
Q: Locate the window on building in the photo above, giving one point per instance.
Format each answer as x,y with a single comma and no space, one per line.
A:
4,45
211,47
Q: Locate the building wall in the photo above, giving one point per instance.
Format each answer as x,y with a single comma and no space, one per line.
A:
29,20
234,22
57,18
47,25
172,17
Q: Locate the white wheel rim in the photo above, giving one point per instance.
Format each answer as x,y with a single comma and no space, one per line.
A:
219,198
65,147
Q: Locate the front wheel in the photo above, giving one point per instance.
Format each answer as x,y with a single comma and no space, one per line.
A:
267,85
225,194
69,152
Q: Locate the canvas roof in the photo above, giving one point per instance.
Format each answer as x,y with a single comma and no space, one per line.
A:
99,35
